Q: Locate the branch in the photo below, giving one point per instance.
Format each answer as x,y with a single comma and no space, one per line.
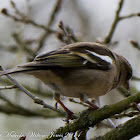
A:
129,16
7,87
114,24
66,35
62,27
34,98
50,22
22,45
15,109
126,131
24,19
19,110
129,114
9,48
117,18
135,44
90,118
135,78
80,103
36,91
124,92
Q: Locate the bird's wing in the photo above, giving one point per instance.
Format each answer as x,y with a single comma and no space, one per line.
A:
73,56
80,55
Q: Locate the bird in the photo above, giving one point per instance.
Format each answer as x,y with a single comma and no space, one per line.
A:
80,70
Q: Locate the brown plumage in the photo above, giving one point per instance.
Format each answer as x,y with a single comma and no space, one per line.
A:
82,70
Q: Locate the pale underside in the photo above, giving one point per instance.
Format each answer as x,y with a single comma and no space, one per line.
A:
77,82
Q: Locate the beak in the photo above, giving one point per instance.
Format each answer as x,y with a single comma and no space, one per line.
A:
126,85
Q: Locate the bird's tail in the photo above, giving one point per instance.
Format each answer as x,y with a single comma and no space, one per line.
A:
19,69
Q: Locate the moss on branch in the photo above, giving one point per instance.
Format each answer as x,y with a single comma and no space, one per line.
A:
89,118
126,131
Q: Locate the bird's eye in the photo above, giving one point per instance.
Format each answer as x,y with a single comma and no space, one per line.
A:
129,75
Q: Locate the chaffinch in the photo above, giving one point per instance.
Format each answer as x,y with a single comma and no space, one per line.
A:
82,70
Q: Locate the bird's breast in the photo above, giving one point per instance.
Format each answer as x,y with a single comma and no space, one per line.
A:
92,83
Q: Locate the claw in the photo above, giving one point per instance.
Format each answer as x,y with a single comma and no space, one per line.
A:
69,114
92,106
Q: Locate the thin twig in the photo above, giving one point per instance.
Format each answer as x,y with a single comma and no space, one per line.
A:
22,44
135,44
65,38
128,16
71,34
33,97
10,48
124,92
117,18
135,78
29,21
24,19
109,36
55,11
129,114
16,9
36,91
61,26
7,87
50,22
12,108
80,103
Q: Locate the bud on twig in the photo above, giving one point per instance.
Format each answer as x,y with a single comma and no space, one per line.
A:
5,11
135,44
61,25
60,36
12,4
138,14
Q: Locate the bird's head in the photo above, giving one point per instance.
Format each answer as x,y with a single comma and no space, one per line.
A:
125,72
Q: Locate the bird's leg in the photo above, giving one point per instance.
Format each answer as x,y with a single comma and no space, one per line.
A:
94,106
91,105
69,113
84,99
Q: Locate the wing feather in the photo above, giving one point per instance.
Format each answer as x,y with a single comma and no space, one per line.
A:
78,55
74,56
